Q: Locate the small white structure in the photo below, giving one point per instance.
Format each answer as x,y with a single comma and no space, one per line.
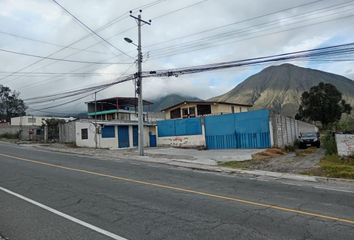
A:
345,144
34,120
112,134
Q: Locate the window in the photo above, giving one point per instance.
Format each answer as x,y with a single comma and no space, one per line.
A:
175,113
84,133
108,132
203,109
124,116
192,112
184,112
233,109
31,120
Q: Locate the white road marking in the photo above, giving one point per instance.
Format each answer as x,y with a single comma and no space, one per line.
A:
66,216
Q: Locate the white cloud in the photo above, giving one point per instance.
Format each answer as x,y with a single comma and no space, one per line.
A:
45,21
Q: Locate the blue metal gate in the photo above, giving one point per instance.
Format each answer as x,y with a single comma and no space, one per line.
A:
135,136
240,130
152,138
123,136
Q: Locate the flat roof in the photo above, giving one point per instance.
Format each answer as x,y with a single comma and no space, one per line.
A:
205,103
132,101
116,122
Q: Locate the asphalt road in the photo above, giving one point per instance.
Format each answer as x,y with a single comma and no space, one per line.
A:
47,195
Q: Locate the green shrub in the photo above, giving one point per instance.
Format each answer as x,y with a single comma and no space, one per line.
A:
9,135
289,148
329,143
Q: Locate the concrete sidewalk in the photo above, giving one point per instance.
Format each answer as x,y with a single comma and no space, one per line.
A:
204,157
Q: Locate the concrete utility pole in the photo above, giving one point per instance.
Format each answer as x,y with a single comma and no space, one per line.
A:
139,85
96,120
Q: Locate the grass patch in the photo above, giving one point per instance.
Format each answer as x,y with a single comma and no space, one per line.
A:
237,164
9,135
306,152
334,166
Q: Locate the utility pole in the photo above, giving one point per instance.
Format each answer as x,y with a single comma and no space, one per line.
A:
139,84
96,120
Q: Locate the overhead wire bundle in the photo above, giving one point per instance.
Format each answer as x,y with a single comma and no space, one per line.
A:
342,52
224,35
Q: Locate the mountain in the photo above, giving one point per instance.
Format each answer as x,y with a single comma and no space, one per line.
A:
169,100
280,88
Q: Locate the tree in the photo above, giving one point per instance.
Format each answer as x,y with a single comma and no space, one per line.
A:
322,103
10,104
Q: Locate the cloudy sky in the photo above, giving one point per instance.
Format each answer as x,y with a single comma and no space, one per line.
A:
182,33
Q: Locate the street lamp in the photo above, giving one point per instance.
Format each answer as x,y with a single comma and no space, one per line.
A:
128,40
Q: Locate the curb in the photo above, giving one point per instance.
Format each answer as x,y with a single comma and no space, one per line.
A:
210,168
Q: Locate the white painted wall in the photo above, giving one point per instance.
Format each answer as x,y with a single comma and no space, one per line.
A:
181,141
90,141
33,120
111,143
345,144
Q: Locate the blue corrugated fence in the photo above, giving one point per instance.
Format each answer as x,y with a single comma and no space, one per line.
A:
179,127
240,130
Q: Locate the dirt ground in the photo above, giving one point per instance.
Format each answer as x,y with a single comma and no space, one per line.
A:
299,161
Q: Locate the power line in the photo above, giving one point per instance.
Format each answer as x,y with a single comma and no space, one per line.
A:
312,54
60,73
198,44
234,23
90,29
59,59
316,54
48,43
82,38
179,9
114,21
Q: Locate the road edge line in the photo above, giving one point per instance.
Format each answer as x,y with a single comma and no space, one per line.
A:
64,215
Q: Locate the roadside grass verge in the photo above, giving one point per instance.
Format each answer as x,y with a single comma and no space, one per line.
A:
239,164
305,152
334,166
9,136
257,159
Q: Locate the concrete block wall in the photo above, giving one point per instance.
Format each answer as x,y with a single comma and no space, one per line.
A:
67,132
285,130
27,133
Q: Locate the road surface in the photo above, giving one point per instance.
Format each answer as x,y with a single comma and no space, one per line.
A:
47,195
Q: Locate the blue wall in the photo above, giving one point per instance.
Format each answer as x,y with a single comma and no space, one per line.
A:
239,130
108,132
179,127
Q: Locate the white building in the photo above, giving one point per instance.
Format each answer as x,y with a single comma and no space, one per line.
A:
112,134
34,120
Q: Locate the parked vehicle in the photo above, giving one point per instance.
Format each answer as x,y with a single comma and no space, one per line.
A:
309,139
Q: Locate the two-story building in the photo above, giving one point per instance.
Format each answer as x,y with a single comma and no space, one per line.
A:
191,109
113,123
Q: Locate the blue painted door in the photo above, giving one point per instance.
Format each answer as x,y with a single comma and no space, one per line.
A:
240,130
152,139
123,136
135,136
